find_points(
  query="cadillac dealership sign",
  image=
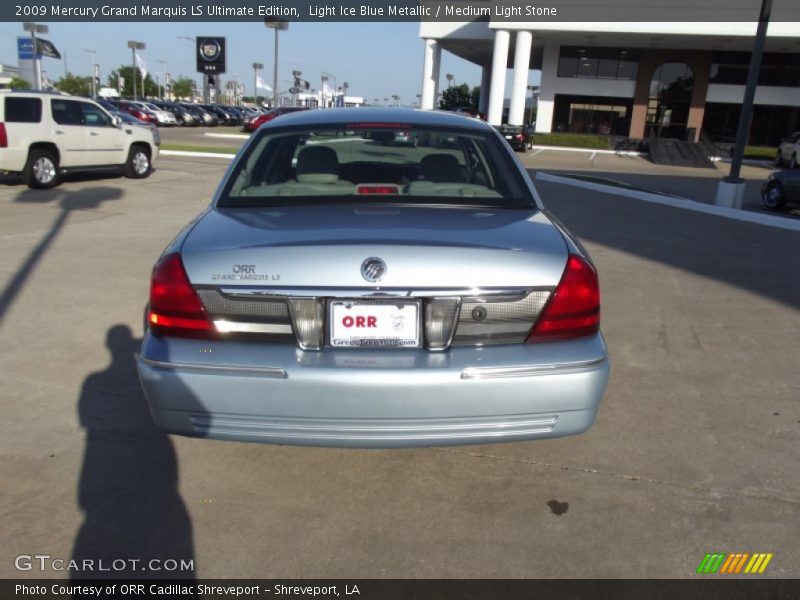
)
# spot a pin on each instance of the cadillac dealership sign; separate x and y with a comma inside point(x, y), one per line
point(210, 55)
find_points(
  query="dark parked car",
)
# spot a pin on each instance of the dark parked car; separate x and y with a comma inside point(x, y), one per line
point(223, 116)
point(517, 136)
point(782, 188)
point(182, 115)
point(203, 116)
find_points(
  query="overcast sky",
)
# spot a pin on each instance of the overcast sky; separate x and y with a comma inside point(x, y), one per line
point(376, 59)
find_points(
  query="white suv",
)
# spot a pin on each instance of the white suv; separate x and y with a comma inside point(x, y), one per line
point(43, 135)
point(789, 151)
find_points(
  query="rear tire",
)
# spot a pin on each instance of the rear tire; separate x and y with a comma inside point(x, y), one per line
point(793, 162)
point(778, 159)
point(41, 170)
point(774, 197)
point(138, 164)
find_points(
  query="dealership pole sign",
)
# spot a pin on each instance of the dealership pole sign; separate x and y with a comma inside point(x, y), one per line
point(211, 55)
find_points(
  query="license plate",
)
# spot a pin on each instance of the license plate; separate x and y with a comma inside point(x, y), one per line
point(374, 324)
point(509, 137)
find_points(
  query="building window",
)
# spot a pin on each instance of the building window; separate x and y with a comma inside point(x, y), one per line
point(770, 125)
point(592, 114)
point(598, 63)
point(777, 69)
point(587, 63)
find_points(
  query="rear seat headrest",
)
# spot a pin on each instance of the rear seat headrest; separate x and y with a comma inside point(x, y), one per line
point(441, 168)
point(317, 164)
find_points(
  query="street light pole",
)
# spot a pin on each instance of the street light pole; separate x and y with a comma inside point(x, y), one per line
point(134, 46)
point(94, 62)
point(730, 191)
point(275, 73)
point(277, 25)
point(35, 28)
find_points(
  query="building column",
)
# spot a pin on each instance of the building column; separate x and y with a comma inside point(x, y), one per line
point(483, 102)
point(437, 65)
point(519, 88)
point(497, 90)
point(547, 87)
point(430, 73)
point(701, 70)
point(648, 61)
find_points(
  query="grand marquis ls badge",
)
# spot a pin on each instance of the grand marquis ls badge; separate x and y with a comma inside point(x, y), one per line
point(373, 269)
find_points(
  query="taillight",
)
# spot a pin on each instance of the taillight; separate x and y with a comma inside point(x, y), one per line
point(3, 136)
point(175, 308)
point(520, 138)
point(574, 309)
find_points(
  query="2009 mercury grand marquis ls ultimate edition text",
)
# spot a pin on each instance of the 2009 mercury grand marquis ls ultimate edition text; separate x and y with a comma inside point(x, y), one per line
point(346, 290)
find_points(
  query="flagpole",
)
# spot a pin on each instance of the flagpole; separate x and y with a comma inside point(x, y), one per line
point(35, 28)
point(133, 70)
point(134, 46)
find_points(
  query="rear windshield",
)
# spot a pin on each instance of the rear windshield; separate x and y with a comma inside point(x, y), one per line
point(371, 163)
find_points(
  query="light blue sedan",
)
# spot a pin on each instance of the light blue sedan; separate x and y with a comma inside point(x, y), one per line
point(341, 292)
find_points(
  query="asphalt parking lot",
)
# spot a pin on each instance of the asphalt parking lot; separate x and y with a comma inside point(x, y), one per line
point(695, 449)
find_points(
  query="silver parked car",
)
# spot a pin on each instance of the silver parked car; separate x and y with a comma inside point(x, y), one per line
point(340, 292)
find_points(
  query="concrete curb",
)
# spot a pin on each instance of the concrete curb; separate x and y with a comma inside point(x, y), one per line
point(587, 150)
point(196, 154)
point(675, 202)
point(228, 136)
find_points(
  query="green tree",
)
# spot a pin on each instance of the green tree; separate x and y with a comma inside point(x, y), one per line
point(73, 84)
point(475, 98)
point(182, 87)
point(18, 83)
point(150, 86)
point(455, 96)
point(259, 100)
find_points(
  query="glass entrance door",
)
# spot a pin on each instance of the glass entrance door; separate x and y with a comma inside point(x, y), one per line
point(670, 98)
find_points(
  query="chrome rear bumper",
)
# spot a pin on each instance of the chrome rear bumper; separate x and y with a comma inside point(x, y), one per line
point(277, 393)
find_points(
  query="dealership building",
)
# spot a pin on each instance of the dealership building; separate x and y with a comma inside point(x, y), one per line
point(630, 79)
